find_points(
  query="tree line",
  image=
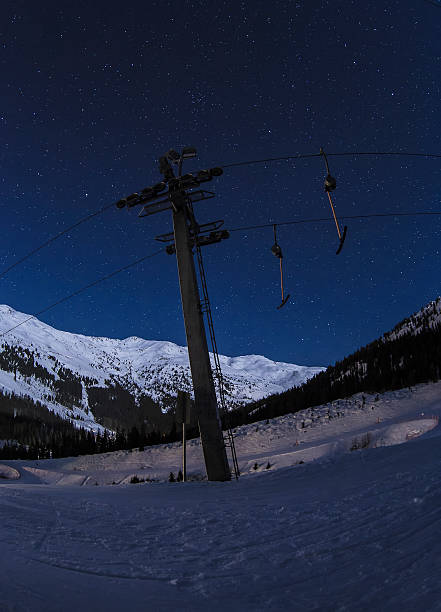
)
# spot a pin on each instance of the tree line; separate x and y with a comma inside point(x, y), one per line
point(382, 365)
point(28, 430)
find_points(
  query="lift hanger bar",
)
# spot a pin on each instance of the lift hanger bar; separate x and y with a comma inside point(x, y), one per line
point(330, 185)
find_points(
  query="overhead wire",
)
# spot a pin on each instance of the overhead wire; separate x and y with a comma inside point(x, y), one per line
point(233, 165)
point(270, 159)
point(54, 238)
point(320, 219)
point(310, 155)
point(75, 293)
point(235, 229)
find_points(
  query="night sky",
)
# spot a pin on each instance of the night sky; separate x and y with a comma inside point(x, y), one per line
point(94, 93)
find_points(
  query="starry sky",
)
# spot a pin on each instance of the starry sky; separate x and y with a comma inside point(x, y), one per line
point(94, 93)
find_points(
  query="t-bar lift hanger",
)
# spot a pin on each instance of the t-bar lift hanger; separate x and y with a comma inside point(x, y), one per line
point(277, 252)
point(330, 185)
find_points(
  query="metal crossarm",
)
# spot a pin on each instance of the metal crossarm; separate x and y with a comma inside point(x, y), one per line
point(204, 228)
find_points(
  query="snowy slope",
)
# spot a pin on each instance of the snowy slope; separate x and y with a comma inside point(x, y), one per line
point(316, 433)
point(428, 316)
point(155, 368)
point(356, 530)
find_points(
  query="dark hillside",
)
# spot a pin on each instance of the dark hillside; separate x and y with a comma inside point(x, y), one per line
point(408, 355)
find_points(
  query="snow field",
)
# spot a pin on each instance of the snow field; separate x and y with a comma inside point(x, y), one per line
point(358, 422)
point(344, 530)
point(361, 532)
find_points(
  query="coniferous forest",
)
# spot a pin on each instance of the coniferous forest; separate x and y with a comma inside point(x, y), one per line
point(383, 365)
point(31, 431)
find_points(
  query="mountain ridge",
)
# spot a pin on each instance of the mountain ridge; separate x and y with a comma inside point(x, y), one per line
point(49, 365)
point(409, 354)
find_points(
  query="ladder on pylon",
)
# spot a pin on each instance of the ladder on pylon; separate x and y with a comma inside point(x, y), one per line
point(205, 308)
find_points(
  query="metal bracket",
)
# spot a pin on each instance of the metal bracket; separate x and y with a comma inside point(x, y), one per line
point(167, 203)
point(204, 228)
point(201, 194)
point(211, 238)
point(152, 209)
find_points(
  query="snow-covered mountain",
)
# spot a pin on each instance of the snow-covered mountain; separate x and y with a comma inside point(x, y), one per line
point(68, 372)
point(426, 318)
point(407, 355)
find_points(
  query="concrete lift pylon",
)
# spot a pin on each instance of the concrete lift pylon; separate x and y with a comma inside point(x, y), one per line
point(180, 202)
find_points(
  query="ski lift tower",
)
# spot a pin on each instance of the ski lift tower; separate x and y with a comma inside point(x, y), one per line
point(186, 234)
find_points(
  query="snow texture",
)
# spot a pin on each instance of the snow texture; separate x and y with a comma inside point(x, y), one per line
point(343, 512)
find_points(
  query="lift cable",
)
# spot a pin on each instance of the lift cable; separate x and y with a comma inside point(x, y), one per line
point(235, 229)
point(54, 238)
point(75, 293)
point(320, 219)
point(233, 165)
point(310, 155)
